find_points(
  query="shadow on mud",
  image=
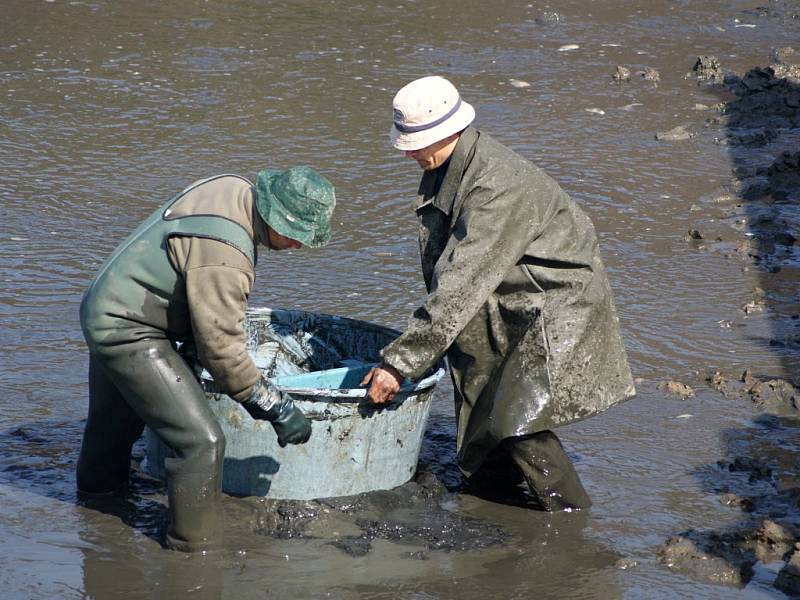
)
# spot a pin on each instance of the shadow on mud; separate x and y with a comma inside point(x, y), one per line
point(760, 473)
point(761, 118)
point(759, 479)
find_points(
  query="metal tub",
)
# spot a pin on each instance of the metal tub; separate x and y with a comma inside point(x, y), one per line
point(354, 446)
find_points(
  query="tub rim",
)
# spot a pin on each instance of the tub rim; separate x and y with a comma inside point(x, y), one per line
point(344, 395)
point(358, 393)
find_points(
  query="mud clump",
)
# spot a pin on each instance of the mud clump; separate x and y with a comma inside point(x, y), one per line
point(676, 134)
point(621, 74)
point(728, 558)
point(650, 74)
point(353, 546)
point(773, 541)
point(411, 514)
point(685, 556)
point(754, 468)
point(762, 480)
point(783, 176)
point(707, 68)
point(285, 519)
point(693, 235)
point(788, 579)
point(676, 388)
point(737, 501)
point(767, 98)
point(549, 18)
point(445, 531)
point(775, 396)
point(752, 138)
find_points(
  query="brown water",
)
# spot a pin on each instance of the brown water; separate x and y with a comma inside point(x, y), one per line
point(107, 108)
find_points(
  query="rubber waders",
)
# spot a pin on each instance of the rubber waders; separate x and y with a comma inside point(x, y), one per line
point(148, 383)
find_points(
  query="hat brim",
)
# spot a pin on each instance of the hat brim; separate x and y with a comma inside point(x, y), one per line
point(420, 139)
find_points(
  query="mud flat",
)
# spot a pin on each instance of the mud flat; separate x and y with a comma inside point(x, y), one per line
point(755, 219)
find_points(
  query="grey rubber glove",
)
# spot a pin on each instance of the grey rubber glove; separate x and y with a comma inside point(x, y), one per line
point(268, 404)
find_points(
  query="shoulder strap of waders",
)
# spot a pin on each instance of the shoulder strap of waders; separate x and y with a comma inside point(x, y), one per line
point(213, 227)
point(220, 229)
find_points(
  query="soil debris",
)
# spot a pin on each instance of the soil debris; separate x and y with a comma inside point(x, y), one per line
point(649, 74)
point(444, 531)
point(772, 541)
point(549, 18)
point(788, 580)
point(621, 74)
point(353, 546)
point(677, 388)
point(737, 501)
point(774, 396)
point(707, 68)
point(675, 134)
point(685, 556)
point(410, 514)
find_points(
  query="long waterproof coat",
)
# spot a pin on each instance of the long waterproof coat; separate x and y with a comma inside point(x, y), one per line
point(518, 300)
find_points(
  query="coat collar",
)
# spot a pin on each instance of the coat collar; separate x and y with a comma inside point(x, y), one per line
point(444, 198)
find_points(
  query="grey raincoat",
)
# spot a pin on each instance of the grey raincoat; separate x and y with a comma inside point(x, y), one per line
point(518, 300)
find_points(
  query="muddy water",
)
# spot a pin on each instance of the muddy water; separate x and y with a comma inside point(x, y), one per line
point(106, 108)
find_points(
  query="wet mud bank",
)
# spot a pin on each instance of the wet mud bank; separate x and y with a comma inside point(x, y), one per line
point(753, 219)
point(414, 515)
point(420, 515)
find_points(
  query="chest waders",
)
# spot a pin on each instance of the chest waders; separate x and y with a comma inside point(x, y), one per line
point(138, 293)
point(136, 378)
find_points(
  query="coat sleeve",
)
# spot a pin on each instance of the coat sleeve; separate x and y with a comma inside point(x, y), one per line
point(219, 280)
point(490, 236)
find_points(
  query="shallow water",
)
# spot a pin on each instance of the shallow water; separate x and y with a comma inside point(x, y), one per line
point(107, 108)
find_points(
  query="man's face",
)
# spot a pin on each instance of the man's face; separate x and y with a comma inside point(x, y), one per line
point(281, 242)
point(435, 155)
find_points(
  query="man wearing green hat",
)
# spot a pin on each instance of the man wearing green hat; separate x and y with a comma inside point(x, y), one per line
point(182, 278)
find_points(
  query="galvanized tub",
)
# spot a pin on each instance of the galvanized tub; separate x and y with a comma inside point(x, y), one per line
point(354, 446)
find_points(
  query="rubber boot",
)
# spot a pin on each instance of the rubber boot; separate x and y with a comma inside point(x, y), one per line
point(497, 476)
point(548, 471)
point(160, 388)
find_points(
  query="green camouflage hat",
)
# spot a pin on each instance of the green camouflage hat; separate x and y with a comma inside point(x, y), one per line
point(297, 203)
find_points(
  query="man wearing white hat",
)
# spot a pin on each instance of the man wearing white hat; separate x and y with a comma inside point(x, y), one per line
point(518, 301)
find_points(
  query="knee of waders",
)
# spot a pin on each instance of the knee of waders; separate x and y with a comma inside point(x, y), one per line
point(216, 445)
point(210, 445)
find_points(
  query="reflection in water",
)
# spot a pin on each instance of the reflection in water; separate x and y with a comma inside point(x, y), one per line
point(112, 572)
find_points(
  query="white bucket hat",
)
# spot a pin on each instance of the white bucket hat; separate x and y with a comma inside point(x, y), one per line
point(427, 110)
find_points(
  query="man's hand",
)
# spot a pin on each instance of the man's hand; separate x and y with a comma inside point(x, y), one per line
point(384, 382)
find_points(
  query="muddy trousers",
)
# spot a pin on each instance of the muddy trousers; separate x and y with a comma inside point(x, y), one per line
point(548, 471)
point(148, 383)
point(539, 460)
